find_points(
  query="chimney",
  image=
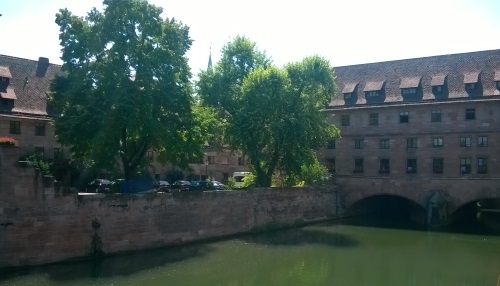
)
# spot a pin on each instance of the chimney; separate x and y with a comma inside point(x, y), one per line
point(43, 65)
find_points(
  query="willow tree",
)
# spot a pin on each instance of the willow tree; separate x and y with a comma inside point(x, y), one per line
point(273, 114)
point(125, 87)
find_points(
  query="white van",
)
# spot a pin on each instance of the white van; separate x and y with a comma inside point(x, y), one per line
point(238, 178)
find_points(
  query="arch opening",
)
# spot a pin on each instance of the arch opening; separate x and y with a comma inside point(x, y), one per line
point(480, 216)
point(388, 211)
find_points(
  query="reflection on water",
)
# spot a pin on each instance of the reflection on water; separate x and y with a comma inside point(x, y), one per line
point(323, 254)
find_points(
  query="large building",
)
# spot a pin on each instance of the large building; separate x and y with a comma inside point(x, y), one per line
point(425, 123)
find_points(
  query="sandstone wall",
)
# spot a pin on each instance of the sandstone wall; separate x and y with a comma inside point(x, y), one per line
point(50, 229)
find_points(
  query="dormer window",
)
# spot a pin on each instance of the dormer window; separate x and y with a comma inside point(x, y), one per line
point(498, 85)
point(3, 79)
point(470, 86)
point(349, 90)
point(438, 84)
point(409, 85)
point(374, 89)
point(409, 91)
point(471, 81)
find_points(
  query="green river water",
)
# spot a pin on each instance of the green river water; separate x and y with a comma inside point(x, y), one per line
point(323, 254)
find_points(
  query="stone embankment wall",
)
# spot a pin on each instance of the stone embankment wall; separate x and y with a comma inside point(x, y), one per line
point(56, 228)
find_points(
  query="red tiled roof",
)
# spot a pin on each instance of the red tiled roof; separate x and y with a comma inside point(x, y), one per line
point(452, 71)
point(410, 82)
point(30, 84)
point(438, 80)
point(8, 94)
point(373, 85)
point(4, 72)
point(349, 87)
point(471, 77)
point(497, 76)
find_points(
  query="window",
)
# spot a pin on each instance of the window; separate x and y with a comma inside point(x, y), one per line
point(465, 165)
point(40, 151)
point(58, 154)
point(464, 141)
point(482, 165)
point(404, 117)
point(373, 119)
point(211, 160)
point(149, 155)
point(358, 165)
point(348, 95)
point(15, 127)
point(409, 91)
point(470, 86)
point(330, 165)
point(372, 94)
point(436, 116)
point(330, 144)
point(498, 84)
point(470, 114)
point(384, 166)
point(438, 89)
point(385, 144)
point(482, 141)
point(411, 166)
point(346, 120)
point(437, 165)
point(437, 142)
point(40, 129)
point(411, 143)
point(241, 161)
point(359, 144)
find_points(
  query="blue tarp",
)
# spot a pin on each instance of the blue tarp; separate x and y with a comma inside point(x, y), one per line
point(136, 186)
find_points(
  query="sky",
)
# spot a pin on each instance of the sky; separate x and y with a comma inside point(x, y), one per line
point(344, 32)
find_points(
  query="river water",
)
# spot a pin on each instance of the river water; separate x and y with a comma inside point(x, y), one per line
point(322, 254)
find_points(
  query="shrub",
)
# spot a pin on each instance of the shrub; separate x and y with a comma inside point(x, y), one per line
point(8, 141)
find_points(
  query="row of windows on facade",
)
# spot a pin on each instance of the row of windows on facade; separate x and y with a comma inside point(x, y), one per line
point(209, 160)
point(437, 142)
point(437, 90)
point(404, 117)
point(411, 165)
point(58, 152)
point(15, 128)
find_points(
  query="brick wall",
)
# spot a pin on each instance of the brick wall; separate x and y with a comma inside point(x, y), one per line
point(53, 229)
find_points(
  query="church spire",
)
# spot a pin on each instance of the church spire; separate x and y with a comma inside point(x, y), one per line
point(210, 58)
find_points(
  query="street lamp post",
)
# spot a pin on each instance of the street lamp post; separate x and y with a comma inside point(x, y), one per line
point(206, 169)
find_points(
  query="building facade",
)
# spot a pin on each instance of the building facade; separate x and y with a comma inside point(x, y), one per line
point(428, 123)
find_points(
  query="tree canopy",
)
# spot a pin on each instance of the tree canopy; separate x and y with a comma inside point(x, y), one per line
point(272, 114)
point(125, 87)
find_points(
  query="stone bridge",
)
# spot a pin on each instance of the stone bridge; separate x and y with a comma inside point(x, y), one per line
point(454, 193)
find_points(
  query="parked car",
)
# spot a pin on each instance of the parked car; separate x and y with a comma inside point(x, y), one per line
point(99, 186)
point(219, 186)
point(181, 185)
point(203, 186)
point(162, 186)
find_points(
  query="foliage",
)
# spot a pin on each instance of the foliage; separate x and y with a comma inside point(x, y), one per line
point(39, 163)
point(174, 175)
point(271, 114)
point(125, 87)
point(8, 141)
point(315, 174)
point(231, 183)
point(249, 180)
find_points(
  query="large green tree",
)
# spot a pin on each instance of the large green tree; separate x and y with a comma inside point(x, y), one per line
point(273, 114)
point(125, 87)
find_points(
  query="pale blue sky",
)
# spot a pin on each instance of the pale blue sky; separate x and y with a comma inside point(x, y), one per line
point(345, 32)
